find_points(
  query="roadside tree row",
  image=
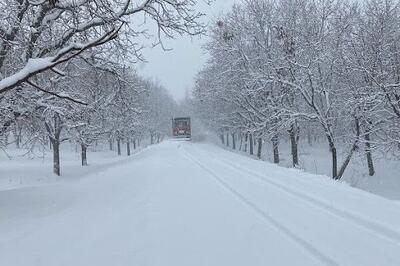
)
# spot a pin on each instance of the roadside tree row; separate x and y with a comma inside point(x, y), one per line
point(67, 70)
point(299, 68)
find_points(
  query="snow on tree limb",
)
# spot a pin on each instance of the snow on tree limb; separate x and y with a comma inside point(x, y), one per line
point(39, 65)
point(55, 24)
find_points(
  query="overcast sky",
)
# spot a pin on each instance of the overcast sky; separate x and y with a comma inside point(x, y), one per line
point(176, 69)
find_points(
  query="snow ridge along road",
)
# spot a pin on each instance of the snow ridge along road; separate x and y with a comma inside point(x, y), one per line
point(195, 204)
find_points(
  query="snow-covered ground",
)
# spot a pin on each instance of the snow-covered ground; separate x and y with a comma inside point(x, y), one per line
point(386, 181)
point(316, 159)
point(186, 203)
point(22, 168)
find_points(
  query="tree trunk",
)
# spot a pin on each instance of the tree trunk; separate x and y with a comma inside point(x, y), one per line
point(293, 145)
point(151, 139)
point(275, 147)
point(18, 135)
point(5, 140)
point(370, 162)
point(259, 149)
point(222, 139)
point(110, 143)
point(54, 131)
point(227, 139)
point(119, 146)
point(83, 154)
point(347, 161)
point(241, 142)
point(245, 141)
point(334, 160)
point(134, 144)
point(352, 150)
point(56, 156)
point(309, 138)
point(18, 141)
point(251, 144)
point(233, 141)
point(128, 148)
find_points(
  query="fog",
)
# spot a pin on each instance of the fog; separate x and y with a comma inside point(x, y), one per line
point(176, 68)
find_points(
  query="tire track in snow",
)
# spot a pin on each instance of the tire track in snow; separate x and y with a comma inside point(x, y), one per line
point(377, 229)
point(313, 251)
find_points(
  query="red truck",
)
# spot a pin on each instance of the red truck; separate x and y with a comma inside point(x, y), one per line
point(181, 127)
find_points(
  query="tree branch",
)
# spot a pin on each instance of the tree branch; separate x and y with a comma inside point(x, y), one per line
point(55, 94)
point(40, 65)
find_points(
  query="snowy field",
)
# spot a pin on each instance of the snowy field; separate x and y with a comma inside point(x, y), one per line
point(187, 203)
point(21, 168)
point(316, 159)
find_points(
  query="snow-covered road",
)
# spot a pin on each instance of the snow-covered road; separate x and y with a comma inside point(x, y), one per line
point(184, 203)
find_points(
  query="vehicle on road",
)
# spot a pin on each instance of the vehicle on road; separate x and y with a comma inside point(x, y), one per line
point(181, 127)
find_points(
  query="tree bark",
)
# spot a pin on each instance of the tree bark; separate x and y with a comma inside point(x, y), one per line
point(346, 161)
point(128, 148)
point(251, 144)
point(227, 139)
point(309, 138)
point(17, 132)
point(83, 154)
point(275, 147)
point(233, 141)
point(370, 162)
point(110, 143)
point(351, 152)
point(119, 146)
point(259, 149)
point(334, 159)
point(241, 142)
point(134, 144)
point(294, 145)
point(17, 142)
point(245, 141)
point(54, 131)
point(222, 139)
point(56, 157)
point(6, 140)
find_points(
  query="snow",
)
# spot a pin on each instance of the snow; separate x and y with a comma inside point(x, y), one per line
point(32, 66)
point(24, 169)
point(316, 159)
point(188, 203)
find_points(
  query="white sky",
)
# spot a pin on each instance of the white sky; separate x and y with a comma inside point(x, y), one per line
point(176, 69)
